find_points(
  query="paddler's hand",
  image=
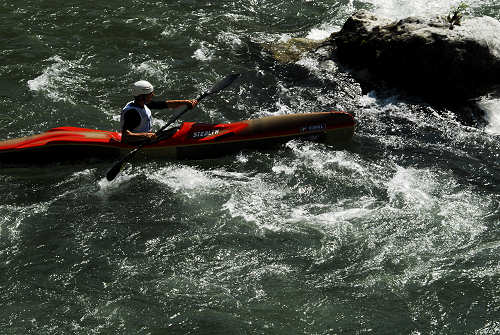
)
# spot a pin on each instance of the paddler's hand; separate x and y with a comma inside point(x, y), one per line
point(191, 103)
point(150, 136)
point(134, 138)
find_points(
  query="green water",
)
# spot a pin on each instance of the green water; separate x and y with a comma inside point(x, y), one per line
point(397, 233)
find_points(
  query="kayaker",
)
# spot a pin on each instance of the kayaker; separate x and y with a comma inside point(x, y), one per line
point(135, 119)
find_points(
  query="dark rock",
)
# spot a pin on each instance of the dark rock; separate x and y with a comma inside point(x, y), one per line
point(424, 56)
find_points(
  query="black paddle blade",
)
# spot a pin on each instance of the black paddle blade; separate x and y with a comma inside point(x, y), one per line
point(115, 169)
point(224, 83)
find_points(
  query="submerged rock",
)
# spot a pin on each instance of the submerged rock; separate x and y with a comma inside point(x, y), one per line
point(293, 49)
point(424, 55)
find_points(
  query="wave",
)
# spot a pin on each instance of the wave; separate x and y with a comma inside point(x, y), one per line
point(63, 80)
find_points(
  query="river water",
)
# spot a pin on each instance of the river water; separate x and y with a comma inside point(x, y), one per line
point(396, 233)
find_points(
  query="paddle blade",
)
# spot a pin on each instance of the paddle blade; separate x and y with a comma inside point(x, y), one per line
point(115, 169)
point(224, 83)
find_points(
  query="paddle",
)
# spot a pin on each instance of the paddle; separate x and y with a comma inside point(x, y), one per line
point(115, 169)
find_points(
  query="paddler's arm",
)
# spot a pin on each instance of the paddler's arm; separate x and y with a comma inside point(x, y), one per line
point(134, 138)
point(172, 104)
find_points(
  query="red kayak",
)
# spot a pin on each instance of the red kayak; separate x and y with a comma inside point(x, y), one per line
point(190, 141)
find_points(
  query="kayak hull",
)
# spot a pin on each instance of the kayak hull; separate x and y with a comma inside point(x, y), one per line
point(190, 141)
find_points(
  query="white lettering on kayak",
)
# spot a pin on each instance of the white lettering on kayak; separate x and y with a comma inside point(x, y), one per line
point(314, 127)
point(205, 133)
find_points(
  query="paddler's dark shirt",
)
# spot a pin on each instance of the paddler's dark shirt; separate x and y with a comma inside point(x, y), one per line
point(132, 119)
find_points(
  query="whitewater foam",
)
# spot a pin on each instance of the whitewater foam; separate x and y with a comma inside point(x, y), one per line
point(411, 187)
point(189, 181)
point(398, 9)
point(153, 70)
point(323, 161)
point(343, 212)
point(419, 191)
point(105, 187)
point(230, 38)
point(204, 53)
point(322, 32)
point(258, 201)
point(492, 108)
point(60, 80)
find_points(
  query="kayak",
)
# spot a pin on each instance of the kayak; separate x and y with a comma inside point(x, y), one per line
point(190, 140)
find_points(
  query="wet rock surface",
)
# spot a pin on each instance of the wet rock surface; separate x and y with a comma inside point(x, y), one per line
point(427, 57)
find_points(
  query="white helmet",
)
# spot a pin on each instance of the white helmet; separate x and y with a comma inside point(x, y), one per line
point(141, 87)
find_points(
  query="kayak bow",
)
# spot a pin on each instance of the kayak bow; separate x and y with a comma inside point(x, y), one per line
point(190, 141)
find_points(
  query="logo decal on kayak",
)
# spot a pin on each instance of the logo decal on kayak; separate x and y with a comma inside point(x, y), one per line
point(314, 127)
point(205, 133)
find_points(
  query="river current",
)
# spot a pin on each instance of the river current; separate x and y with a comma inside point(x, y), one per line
point(396, 233)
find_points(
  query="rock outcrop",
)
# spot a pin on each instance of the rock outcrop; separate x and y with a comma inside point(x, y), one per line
point(427, 57)
point(292, 50)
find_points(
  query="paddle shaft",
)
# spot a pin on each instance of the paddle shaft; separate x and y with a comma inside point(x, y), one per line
point(174, 118)
point(115, 169)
